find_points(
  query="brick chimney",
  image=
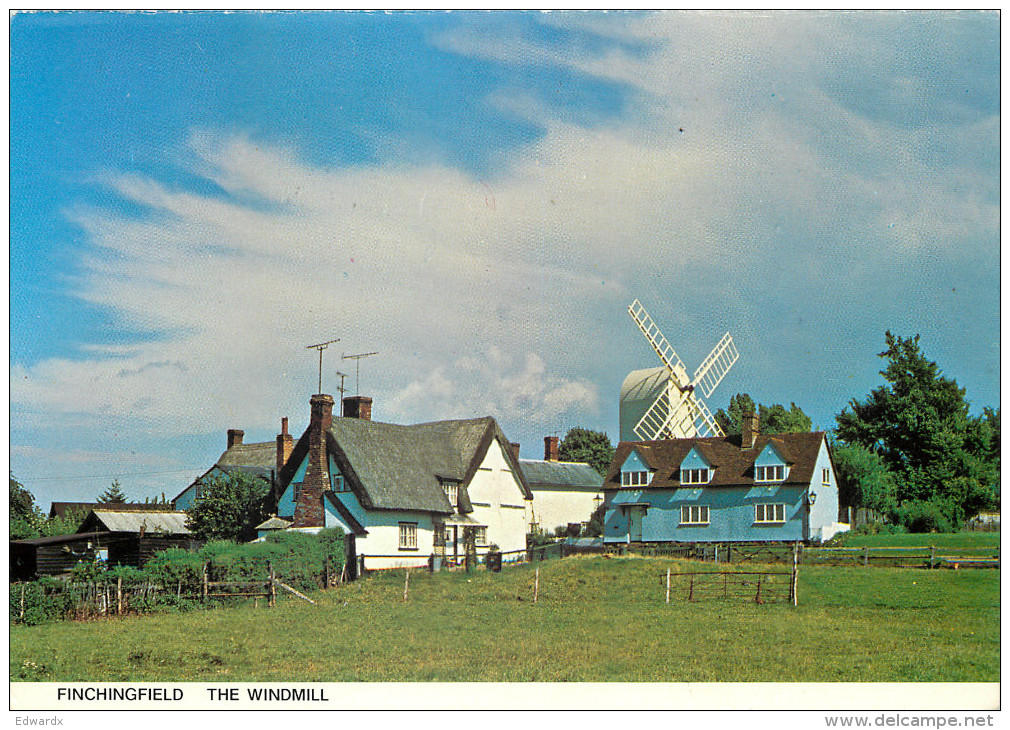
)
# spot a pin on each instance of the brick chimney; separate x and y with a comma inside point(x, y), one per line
point(749, 430)
point(551, 448)
point(235, 437)
point(284, 445)
point(515, 450)
point(309, 510)
point(358, 406)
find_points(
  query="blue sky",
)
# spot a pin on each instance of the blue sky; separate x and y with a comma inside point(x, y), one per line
point(195, 197)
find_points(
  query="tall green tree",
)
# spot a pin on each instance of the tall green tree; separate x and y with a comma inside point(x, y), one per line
point(25, 516)
point(771, 419)
point(920, 426)
point(229, 508)
point(863, 478)
point(114, 494)
point(591, 447)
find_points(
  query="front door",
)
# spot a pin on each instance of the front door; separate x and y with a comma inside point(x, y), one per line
point(635, 515)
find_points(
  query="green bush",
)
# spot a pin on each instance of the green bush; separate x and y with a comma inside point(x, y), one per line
point(44, 600)
point(925, 516)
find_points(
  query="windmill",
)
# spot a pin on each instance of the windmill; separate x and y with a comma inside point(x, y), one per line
point(659, 403)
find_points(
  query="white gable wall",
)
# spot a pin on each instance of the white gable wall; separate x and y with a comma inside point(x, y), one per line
point(498, 501)
point(554, 506)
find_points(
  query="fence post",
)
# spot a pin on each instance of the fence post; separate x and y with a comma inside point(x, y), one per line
point(406, 584)
point(794, 579)
point(272, 598)
point(22, 601)
point(668, 585)
point(204, 596)
point(690, 591)
point(757, 596)
point(119, 596)
point(536, 585)
point(932, 555)
point(326, 573)
point(866, 555)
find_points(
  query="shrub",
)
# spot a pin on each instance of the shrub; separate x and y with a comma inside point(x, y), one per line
point(924, 516)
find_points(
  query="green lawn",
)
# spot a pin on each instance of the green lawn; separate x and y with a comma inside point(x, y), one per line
point(970, 542)
point(597, 619)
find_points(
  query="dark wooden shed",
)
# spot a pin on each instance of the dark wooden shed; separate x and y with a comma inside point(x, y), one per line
point(55, 555)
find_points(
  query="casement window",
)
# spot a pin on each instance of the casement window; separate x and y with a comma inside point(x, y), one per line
point(480, 535)
point(826, 477)
point(694, 514)
point(408, 536)
point(695, 476)
point(296, 491)
point(337, 482)
point(452, 492)
point(635, 478)
point(769, 513)
point(769, 473)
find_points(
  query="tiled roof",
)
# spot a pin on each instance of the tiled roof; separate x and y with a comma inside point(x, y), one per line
point(399, 467)
point(734, 466)
point(541, 474)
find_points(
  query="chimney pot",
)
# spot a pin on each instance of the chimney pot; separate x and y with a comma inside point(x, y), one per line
point(551, 448)
point(357, 406)
point(515, 450)
point(235, 437)
point(749, 430)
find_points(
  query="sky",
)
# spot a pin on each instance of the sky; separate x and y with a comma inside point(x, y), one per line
point(477, 197)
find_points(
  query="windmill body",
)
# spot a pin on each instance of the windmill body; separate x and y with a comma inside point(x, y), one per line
point(665, 402)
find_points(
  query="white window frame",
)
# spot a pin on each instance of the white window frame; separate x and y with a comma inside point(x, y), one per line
point(778, 473)
point(452, 493)
point(636, 478)
point(777, 512)
point(702, 475)
point(408, 536)
point(480, 536)
point(826, 477)
point(695, 514)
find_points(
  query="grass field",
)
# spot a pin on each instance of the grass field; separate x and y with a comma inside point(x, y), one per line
point(597, 619)
point(969, 542)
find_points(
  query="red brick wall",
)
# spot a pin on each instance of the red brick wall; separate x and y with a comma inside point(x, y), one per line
point(309, 509)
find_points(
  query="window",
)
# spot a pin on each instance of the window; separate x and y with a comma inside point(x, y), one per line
point(480, 536)
point(769, 473)
point(694, 476)
point(408, 536)
point(694, 514)
point(448, 536)
point(297, 491)
point(635, 478)
point(452, 492)
point(769, 513)
point(826, 477)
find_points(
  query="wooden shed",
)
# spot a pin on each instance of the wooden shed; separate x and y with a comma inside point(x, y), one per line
point(55, 555)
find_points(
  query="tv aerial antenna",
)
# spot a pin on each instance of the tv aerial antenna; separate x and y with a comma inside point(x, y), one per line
point(321, 346)
point(357, 368)
point(341, 389)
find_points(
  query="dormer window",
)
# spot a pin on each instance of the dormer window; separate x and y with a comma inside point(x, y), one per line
point(452, 493)
point(695, 476)
point(774, 473)
point(635, 478)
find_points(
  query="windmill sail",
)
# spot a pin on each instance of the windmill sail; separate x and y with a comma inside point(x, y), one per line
point(659, 343)
point(714, 367)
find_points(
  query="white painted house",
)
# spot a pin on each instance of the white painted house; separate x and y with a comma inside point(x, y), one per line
point(564, 492)
point(406, 493)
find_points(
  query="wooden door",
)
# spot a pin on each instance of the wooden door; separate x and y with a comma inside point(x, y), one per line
point(635, 515)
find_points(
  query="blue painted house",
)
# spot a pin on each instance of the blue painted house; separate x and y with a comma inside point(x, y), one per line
point(749, 488)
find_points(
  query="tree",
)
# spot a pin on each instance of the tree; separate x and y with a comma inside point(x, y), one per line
point(919, 424)
point(229, 508)
point(863, 478)
point(25, 516)
point(113, 494)
point(771, 419)
point(591, 447)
